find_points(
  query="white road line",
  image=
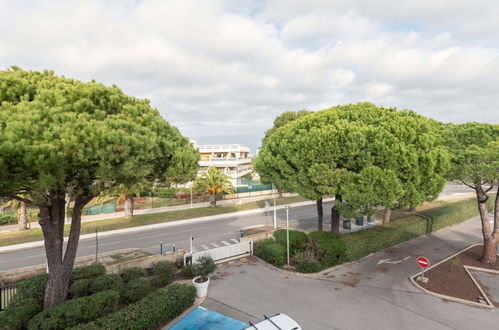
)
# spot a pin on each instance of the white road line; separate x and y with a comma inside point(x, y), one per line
point(234, 240)
point(204, 246)
point(225, 243)
point(215, 244)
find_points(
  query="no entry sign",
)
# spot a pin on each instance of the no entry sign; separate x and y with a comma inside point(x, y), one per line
point(423, 262)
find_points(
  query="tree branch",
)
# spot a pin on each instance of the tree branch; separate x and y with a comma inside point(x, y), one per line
point(21, 199)
point(463, 182)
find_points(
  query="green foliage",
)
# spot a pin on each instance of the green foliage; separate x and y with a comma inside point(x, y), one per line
point(136, 289)
point(76, 311)
point(32, 287)
point(187, 271)
point(165, 192)
point(368, 155)
point(454, 262)
point(7, 217)
point(283, 119)
point(80, 288)
point(149, 312)
point(308, 266)
point(204, 266)
point(18, 313)
point(260, 245)
point(329, 250)
point(107, 282)
point(89, 272)
point(248, 177)
point(132, 273)
point(214, 181)
point(297, 240)
point(273, 253)
point(165, 271)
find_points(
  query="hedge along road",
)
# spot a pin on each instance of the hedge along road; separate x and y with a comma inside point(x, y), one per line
point(204, 233)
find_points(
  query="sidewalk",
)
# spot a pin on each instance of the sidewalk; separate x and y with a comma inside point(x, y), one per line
point(105, 216)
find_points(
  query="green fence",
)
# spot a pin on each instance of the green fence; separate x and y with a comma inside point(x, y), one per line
point(98, 209)
point(253, 188)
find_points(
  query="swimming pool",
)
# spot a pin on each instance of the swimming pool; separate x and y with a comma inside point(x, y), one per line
point(204, 319)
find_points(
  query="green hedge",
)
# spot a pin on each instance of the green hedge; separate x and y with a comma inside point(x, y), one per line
point(308, 266)
point(32, 287)
point(76, 311)
point(273, 253)
point(8, 217)
point(107, 282)
point(132, 273)
point(135, 290)
point(329, 250)
point(80, 288)
point(18, 313)
point(148, 313)
point(364, 242)
point(89, 272)
point(165, 271)
point(297, 240)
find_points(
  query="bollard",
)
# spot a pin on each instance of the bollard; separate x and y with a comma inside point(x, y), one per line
point(174, 249)
point(161, 247)
point(241, 232)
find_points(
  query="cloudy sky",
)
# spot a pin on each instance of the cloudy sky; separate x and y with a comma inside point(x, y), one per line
point(221, 71)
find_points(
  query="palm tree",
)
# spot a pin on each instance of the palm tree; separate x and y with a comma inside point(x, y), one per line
point(22, 216)
point(214, 182)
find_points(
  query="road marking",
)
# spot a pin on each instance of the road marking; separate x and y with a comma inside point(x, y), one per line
point(389, 261)
point(234, 240)
point(215, 244)
point(225, 243)
point(204, 246)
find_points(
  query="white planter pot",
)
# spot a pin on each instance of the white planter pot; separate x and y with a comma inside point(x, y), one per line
point(201, 288)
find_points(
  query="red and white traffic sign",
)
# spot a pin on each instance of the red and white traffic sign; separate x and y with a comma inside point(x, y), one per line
point(423, 262)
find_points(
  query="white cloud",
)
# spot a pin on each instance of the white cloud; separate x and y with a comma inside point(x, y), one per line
point(222, 70)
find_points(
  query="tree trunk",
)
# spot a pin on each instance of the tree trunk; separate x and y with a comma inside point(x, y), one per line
point(213, 200)
point(489, 238)
point(319, 214)
point(128, 206)
point(59, 264)
point(387, 215)
point(22, 218)
point(335, 218)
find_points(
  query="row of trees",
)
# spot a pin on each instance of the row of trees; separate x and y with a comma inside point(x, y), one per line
point(369, 157)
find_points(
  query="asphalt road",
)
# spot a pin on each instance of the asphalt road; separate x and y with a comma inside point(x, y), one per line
point(205, 233)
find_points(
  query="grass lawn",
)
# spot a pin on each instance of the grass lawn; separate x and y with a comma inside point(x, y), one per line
point(142, 220)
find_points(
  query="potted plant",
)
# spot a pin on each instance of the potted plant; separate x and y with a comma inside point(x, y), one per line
point(201, 270)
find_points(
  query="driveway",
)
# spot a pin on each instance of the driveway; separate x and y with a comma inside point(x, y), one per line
point(360, 295)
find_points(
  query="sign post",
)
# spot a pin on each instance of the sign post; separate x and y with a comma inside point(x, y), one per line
point(423, 263)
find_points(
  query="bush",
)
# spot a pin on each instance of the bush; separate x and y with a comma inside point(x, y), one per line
point(187, 271)
point(132, 273)
point(80, 288)
point(273, 253)
point(17, 314)
point(329, 250)
point(32, 287)
point(165, 192)
point(8, 217)
point(149, 312)
point(165, 270)
point(203, 267)
point(136, 289)
point(76, 311)
point(107, 282)
point(308, 266)
point(260, 245)
point(297, 240)
point(89, 272)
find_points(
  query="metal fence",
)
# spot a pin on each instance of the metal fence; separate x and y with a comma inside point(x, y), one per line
point(227, 252)
point(6, 294)
point(98, 209)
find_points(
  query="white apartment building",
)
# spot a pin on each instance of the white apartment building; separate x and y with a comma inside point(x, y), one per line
point(233, 159)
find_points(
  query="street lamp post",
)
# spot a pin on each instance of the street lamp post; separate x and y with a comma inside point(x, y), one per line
point(275, 212)
point(287, 232)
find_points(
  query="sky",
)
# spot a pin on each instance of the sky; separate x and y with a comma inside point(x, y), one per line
point(221, 71)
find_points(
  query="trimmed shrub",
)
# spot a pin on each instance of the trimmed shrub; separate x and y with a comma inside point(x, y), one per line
point(297, 240)
point(273, 253)
point(132, 273)
point(32, 287)
point(260, 245)
point(8, 217)
point(80, 288)
point(187, 271)
point(89, 272)
point(136, 289)
point(148, 313)
point(107, 282)
point(165, 271)
point(76, 311)
point(308, 266)
point(329, 250)
point(18, 313)
point(204, 267)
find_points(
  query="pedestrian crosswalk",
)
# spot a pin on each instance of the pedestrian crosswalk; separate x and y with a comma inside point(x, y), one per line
point(212, 245)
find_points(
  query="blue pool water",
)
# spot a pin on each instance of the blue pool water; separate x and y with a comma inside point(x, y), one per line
point(203, 319)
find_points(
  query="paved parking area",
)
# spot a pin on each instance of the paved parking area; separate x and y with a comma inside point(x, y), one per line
point(362, 295)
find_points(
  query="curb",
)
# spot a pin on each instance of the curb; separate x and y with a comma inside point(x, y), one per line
point(450, 298)
point(10, 248)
